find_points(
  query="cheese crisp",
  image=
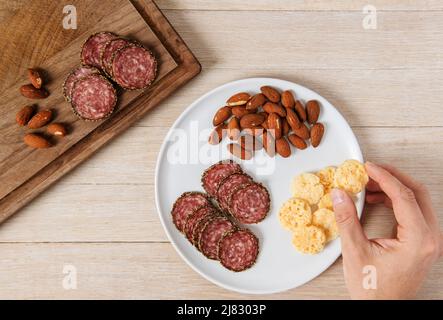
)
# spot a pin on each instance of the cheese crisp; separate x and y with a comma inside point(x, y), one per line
point(351, 176)
point(325, 219)
point(326, 176)
point(295, 213)
point(307, 186)
point(326, 202)
point(309, 239)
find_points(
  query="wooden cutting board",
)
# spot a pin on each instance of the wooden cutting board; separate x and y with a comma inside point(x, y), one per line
point(33, 36)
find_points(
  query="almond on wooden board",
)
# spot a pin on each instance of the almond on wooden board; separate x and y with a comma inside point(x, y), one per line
point(240, 111)
point(35, 78)
point(302, 131)
point(251, 120)
point(317, 131)
point(40, 119)
point(268, 144)
point(36, 141)
point(239, 152)
point(31, 92)
point(287, 99)
point(293, 119)
point(233, 129)
point(250, 143)
point(275, 127)
point(57, 129)
point(217, 134)
point(283, 147)
point(221, 115)
point(297, 142)
point(256, 101)
point(270, 107)
point(24, 115)
point(238, 99)
point(300, 110)
point(313, 111)
point(270, 93)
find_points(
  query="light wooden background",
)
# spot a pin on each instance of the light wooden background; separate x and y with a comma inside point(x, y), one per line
point(102, 219)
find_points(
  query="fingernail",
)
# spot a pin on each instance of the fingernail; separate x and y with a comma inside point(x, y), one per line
point(370, 164)
point(337, 196)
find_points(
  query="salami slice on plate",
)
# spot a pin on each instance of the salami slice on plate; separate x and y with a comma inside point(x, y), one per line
point(211, 235)
point(133, 67)
point(93, 97)
point(73, 76)
point(195, 217)
point(250, 203)
point(238, 250)
point(185, 205)
point(108, 51)
point(93, 46)
point(215, 174)
point(229, 184)
point(196, 233)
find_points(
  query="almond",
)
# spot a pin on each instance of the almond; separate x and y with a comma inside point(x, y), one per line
point(23, 116)
point(317, 132)
point(270, 93)
point(256, 101)
point(255, 131)
point(270, 107)
point(31, 92)
point(35, 78)
point(239, 152)
point(297, 142)
point(251, 120)
point(233, 129)
point(287, 99)
point(283, 147)
point(36, 141)
point(40, 119)
point(217, 134)
point(302, 131)
point(293, 119)
point(250, 143)
point(313, 111)
point(300, 110)
point(238, 99)
point(221, 115)
point(268, 144)
point(57, 129)
point(285, 127)
point(240, 111)
point(275, 125)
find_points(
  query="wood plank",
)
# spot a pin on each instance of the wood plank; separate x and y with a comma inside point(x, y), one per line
point(300, 5)
point(313, 40)
point(142, 271)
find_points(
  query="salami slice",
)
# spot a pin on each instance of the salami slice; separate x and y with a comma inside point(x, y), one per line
point(196, 233)
point(185, 205)
point(238, 250)
point(211, 235)
point(73, 76)
point(250, 204)
point(229, 184)
point(215, 174)
point(93, 97)
point(108, 51)
point(194, 218)
point(133, 67)
point(90, 54)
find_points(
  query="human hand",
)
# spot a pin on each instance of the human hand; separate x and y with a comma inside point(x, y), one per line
point(402, 263)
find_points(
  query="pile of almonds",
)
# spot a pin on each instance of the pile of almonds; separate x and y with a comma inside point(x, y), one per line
point(274, 117)
point(33, 119)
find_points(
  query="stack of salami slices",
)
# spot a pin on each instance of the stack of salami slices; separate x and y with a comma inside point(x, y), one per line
point(236, 193)
point(106, 59)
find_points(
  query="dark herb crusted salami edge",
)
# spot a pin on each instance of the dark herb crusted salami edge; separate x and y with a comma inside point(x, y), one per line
point(213, 212)
point(223, 181)
point(205, 173)
point(184, 194)
point(241, 187)
point(204, 228)
point(72, 72)
point(137, 44)
point(195, 236)
point(102, 51)
point(113, 107)
point(231, 232)
point(92, 35)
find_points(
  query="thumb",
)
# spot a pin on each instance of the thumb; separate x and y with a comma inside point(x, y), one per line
point(351, 231)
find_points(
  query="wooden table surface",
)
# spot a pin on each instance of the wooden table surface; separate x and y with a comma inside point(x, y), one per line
point(102, 219)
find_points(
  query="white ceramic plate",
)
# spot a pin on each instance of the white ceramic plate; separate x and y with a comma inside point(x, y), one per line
point(185, 154)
